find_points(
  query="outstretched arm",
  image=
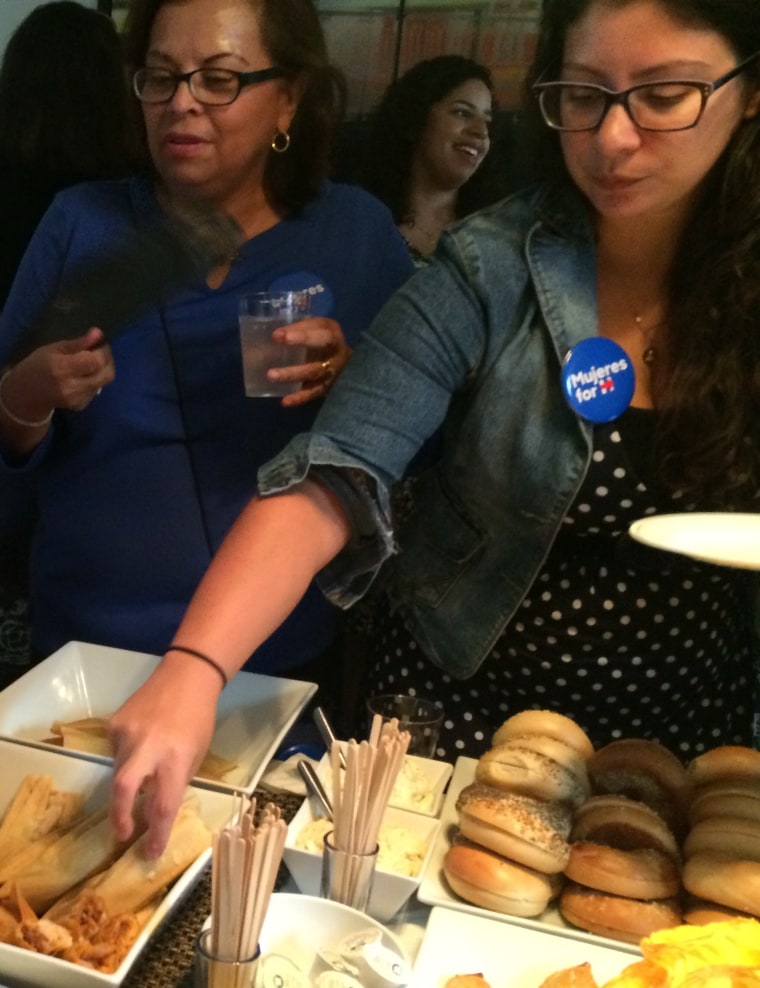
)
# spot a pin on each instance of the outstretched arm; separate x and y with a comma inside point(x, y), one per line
point(261, 571)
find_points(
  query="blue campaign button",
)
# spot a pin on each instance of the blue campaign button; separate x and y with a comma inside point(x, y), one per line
point(598, 379)
point(322, 299)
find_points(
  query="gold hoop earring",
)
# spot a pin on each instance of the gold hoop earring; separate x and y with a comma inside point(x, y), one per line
point(281, 141)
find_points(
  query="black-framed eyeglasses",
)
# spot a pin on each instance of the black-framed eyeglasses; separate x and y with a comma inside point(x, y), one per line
point(672, 104)
point(210, 86)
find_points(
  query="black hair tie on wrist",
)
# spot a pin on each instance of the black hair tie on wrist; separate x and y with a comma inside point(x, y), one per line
point(204, 658)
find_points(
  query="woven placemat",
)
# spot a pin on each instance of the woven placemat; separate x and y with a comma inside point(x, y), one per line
point(167, 960)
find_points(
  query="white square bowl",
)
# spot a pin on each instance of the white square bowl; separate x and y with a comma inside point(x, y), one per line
point(83, 680)
point(389, 890)
point(419, 788)
point(421, 785)
point(80, 775)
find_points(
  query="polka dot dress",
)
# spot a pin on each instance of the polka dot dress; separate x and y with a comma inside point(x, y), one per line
point(628, 641)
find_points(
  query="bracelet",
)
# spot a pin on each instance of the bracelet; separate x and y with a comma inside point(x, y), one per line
point(204, 658)
point(15, 418)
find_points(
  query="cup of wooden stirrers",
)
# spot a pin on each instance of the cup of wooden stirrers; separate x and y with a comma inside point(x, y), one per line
point(360, 795)
point(244, 863)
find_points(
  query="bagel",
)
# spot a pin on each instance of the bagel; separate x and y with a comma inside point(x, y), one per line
point(624, 823)
point(547, 722)
point(559, 751)
point(489, 880)
point(646, 771)
point(616, 917)
point(724, 880)
point(640, 874)
point(730, 797)
point(734, 836)
point(700, 912)
point(728, 761)
point(529, 831)
point(518, 769)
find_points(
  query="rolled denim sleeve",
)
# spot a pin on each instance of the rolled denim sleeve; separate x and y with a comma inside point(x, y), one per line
point(392, 397)
point(364, 497)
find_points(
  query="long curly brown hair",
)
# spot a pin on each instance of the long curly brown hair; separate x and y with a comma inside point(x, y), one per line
point(706, 380)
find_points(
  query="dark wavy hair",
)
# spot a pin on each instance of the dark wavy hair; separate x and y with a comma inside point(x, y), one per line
point(706, 378)
point(397, 125)
point(292, 35)
point(64, 110)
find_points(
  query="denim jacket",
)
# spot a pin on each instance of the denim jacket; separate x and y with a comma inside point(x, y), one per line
point(473, 344)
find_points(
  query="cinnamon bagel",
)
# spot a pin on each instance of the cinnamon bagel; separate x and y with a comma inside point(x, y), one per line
point(624, 823)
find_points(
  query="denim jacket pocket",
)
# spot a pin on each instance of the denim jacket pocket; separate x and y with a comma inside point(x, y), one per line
point(436, 547)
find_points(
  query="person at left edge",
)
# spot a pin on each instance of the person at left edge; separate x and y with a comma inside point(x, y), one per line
point(144, 451)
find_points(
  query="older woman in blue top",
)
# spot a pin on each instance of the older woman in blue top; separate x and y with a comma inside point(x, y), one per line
point(512, 577)
point(144, 448)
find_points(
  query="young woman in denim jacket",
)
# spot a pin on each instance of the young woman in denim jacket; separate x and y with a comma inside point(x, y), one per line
point(514, 578)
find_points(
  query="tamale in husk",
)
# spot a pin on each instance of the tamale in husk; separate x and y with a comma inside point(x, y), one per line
point(88, 847)
point(37, 809)
point(133, 880)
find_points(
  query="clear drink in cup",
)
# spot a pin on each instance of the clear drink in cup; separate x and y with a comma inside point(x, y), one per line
point(259, 315)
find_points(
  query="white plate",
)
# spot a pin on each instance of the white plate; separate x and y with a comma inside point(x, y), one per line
point(507, 957)
point(434, 889)
point(83, 680)
point(730, 539)
point(34, 970)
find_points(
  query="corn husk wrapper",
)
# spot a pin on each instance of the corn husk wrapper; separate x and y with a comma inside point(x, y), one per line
point(36, 811)
point(90, 734)
point(132, 881)
point(88, 847)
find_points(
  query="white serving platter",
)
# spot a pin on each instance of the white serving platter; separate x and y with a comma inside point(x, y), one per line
point(434, 889)
point(506, 956)
point(33, 970)
point(83, 680)
point(726, 538)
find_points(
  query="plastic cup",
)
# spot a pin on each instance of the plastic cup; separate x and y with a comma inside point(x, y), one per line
point(258, 317)
point(422, 718)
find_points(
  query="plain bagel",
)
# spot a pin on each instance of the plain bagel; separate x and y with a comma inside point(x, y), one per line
point(617, 917)
point(725, 880)
point(493, 882)
point(728, 761)
point(700, 912)
point(547, 722)
point(518, 769)
point(735, 836)
point(529, 831)
point(730, 797)
point(640, 874)
point(559, 751)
